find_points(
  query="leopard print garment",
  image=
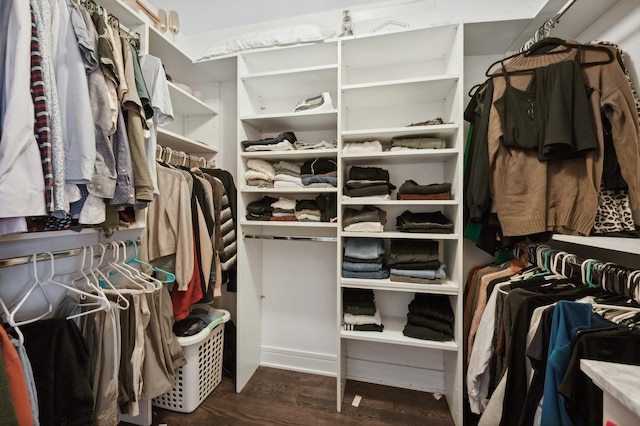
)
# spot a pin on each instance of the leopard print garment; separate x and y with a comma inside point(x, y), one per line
point(614, 212)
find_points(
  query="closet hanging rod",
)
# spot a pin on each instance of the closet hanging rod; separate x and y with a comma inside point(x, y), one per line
point(291, 238)
point(23, 260)
point(545, 29)
point(92, 5)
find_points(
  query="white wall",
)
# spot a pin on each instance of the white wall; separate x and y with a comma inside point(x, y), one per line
point(416, 13)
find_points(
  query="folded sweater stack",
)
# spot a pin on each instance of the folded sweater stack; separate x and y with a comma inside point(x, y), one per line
point(410, 190)
point(283, 142)
point(367, 219)
point(430, 317)
point(415, 261)
point(428, 222)
point(284, 210)
point(260, 173)
point(401, 143)
point(287, 175)
point(308, 211)
point(321, 209)
point(319, 172)
point(359, 310)
point(368, 182)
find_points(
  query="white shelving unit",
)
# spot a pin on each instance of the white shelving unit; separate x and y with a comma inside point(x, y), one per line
point(270, 84)
point(389, 82)
point(624, 245)
point(380, 85)
point(196, 128)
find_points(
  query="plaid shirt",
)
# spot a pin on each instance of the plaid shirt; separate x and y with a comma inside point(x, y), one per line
point(42, 129)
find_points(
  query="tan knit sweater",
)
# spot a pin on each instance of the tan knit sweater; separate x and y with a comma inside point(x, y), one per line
point(530, 196)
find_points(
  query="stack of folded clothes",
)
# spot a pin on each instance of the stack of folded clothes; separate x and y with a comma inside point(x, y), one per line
point(328, 205)
point(371, 182)
point(415, 261)
point(261, 209)
point(282, 142)
point(401, 143)
point(367, 219)
point(260, 173)
point(428, 222)
point(362, 147)
point(364, 258)
point(430, 317)
point(359, 310)
point(300, 145)
point(287, 175)
point(308, 211)
point(284, 210)
point(410, 190)
point(319, 172)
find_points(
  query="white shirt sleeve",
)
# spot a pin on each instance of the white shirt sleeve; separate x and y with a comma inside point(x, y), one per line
point(478, 374)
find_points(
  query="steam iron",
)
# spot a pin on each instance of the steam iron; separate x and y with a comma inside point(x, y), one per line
point(319, 101)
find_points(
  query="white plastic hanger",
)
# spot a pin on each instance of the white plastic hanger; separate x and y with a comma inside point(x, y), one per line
point(169, 277)
point(7, 317)
point(97, 301)
point(114, 265)
point(150, 282)
point(103, 281)
point(36, 284)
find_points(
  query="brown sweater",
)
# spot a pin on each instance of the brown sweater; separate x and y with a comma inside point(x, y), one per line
point(531, 196)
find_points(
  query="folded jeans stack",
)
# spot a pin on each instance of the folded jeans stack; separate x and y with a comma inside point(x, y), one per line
point(415, 261)
point(364, 258)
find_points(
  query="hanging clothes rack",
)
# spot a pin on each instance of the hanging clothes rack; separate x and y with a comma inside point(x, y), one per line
point(611, 277)
point(545, 29)
point(23, 260)
point(290, 238)
point(92, 6)
point(181, 158)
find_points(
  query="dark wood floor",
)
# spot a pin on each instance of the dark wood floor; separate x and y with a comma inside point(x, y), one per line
point(281, 397)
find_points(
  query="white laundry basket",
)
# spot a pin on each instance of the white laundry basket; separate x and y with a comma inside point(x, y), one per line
point(203, 371)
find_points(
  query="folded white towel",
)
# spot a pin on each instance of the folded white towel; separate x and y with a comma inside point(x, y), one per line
point(363, 319)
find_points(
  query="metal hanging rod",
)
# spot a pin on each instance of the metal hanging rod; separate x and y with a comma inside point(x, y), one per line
point(545, 29)
point(291, 238)
point(23, 260)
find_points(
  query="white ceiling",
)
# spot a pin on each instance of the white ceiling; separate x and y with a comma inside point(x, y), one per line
point(198, 16)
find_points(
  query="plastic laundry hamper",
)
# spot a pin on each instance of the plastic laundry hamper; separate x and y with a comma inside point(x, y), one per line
point(203, 371)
